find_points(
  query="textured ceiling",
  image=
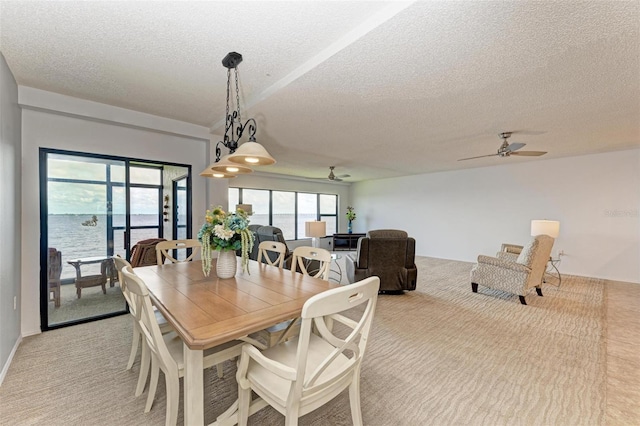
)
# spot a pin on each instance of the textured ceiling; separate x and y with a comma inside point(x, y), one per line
point(379, 89)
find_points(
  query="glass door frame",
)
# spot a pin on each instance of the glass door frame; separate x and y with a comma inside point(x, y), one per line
point(44, 213)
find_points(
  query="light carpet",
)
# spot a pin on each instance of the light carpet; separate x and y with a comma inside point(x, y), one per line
point(440, 355)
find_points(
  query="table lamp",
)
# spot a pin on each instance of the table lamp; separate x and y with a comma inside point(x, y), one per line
point(315, 230)
point(248, 208)
point(545, 227)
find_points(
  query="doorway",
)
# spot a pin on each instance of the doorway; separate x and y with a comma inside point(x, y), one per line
point(92, 208)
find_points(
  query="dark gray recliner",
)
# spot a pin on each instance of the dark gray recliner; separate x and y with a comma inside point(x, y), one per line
point(388, 254)
point(268, 233)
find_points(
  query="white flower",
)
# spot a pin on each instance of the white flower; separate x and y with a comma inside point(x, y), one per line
point(222, 233)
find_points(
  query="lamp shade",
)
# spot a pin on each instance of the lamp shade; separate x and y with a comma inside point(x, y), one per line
point(315, 229)
point(210, 173)
point(248, 208)
point(252, 153)
point(545, 227)
point(226, 166)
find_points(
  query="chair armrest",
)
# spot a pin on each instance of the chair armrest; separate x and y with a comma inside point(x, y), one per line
point(509, 257)
point(494, 261)
point(279, 369)
point(511, 248)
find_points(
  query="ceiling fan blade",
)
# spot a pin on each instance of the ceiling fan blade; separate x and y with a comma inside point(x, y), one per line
point(336, 179)
point(529, 153)
point(515, 146)
point(343, 176)
point(480, 156)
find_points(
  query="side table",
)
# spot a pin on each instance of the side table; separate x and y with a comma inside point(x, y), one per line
point(552, 273)
point(107, 270)
point(346, 241)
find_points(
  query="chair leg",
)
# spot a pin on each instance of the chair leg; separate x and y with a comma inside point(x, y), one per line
point(134, 346)
point(219, 370)
point(244, 401)
point(354, 400)
point(539, 291)
point(524, 302)
point(291, 418)
point(474, 287)
point(144, 369)
point(173, 399)
point(153, 384)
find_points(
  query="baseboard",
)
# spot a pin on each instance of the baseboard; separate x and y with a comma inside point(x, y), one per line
point(5, 369)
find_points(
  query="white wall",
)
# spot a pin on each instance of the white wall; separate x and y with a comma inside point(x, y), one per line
point(460, 214)
point(77, 132)
point(10, 189)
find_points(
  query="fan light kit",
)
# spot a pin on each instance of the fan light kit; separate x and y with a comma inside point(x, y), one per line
point(250, 152)
point(507, 149)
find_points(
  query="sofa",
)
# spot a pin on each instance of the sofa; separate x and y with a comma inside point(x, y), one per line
point(388, 254)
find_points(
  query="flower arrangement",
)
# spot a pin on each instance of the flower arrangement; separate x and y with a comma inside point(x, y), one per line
point(351, 214)
point(223, 231)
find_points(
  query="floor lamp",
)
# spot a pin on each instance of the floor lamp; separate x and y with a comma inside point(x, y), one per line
point(315, 229)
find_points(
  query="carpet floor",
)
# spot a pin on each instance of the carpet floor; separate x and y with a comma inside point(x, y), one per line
point(440, 355)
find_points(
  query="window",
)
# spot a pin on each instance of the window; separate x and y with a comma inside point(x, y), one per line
point(287, 210)
point(284, 213)
point(307, 210)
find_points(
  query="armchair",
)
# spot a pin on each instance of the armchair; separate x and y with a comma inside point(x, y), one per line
point(388, 254)
point(513, 272)
point(54, 270)
point(144, 252)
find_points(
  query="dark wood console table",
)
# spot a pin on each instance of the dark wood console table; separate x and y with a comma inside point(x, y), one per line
point(346, 241)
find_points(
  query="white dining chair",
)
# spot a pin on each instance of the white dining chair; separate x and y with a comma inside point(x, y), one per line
point(167, 350)
point(164, 326)
point(267, 247)
point(302, 255)
point(288, 329)
point(302, 374)
point(164, 250)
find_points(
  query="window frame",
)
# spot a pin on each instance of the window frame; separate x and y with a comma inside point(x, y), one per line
point(319, 215)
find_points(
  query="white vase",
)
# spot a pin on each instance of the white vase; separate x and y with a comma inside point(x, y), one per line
point(226, 264)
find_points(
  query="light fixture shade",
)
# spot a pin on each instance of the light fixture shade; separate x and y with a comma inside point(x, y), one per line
point(209, 173)
point(224, 166)
point(315, 229)
point(252, 153)
point(545, 227)
point(248, 208)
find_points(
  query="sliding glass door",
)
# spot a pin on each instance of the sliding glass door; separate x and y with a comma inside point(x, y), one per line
point(92, 208)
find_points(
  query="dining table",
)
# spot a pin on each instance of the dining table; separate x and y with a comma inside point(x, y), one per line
point(207, 311)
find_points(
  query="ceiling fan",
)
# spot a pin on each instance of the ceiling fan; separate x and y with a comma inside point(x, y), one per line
point(508, 149)
point(332, 177)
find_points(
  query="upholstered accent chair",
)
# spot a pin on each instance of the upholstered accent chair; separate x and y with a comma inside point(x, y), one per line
point(388, 254)
point(513, 272)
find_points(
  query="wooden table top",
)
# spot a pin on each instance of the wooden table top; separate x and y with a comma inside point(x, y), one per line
point(208, 311)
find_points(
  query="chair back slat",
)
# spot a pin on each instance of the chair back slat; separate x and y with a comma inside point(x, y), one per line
point(318, 315)
point(164, 250)
point(267, 247)
point(302, 255)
